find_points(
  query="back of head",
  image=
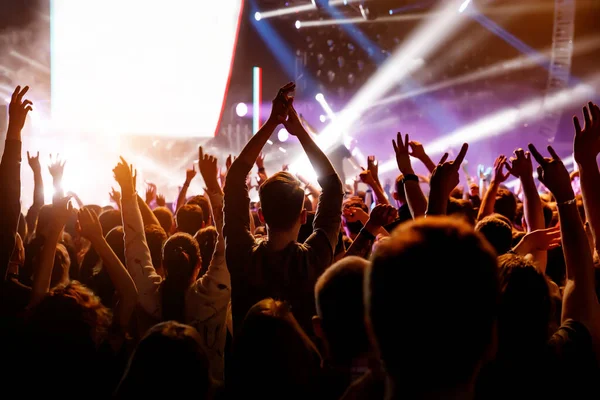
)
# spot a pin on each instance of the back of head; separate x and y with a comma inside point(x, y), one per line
point(497, 232)
point(207, 240)
point(66, 328)
point(95, 208)
point(462, 209)
point(339, 300)
point(506, 204)
point(272, 344)
point(204, 204)
point(165, 218)
point(62, 263)
point(181, 260)
point(109, 220)
point(189, 219)
point(525, 307)
point(169, 362)
point(155, 237)
point(116, 240)
point(282, 200)
point(354, 227)
point(399, 189)
point(434, 331)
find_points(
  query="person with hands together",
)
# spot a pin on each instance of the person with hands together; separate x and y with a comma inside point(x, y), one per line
point(278, 257)
point(382, 215)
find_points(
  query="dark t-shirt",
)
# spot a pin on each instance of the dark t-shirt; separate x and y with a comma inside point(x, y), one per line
point(565, 368)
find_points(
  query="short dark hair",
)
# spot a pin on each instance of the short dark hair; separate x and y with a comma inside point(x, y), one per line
point(461, 208)
point(449, 302)
point(339, 300)
point(525, 307)
point(110, 219)
point(155, 237)
point(506, 204)
point(189, 219)
point(165, 218)
point(399, 187)
point(497, 232)
point(204, 204)
point(282, 200)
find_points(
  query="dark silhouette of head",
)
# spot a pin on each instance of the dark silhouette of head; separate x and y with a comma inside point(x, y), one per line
point(207, 240)
point(340, 319)
point(110, 219)
point(204, 204)
point(155, 237)
point(272, 343)
point(282, 203)
point(497, 232)
point(506, 204)
point(448, 302)
point(165, 218)
point(181, 264)
point(189, 219)
point(169, 362)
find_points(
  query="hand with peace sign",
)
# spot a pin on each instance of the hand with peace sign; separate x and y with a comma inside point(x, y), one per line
point(444, 178)
point(402, 154)
point(553, 174)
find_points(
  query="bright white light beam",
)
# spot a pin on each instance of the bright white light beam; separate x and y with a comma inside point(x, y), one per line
point(259, 16)
point(506, 119)
point(321, 99)
point(430, 35)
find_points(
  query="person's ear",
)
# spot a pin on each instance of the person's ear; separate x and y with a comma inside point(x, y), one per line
point(304, 216)
point(395, 196)
point(261, 216)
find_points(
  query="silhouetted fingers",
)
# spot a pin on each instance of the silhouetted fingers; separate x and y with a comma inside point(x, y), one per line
point(536, 154)
point(461, 155)
point(553, 153)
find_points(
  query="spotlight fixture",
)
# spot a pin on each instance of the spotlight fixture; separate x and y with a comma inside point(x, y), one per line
point(322, 118)
point(241, 109)
point(257, 16)
point(283, 135)
point(298, 24)
point(369, 13)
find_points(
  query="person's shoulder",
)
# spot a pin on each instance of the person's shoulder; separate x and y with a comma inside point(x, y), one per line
point(571, 332)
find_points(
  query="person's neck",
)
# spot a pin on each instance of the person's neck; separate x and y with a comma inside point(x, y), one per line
point(280, 240)
point(396, 392)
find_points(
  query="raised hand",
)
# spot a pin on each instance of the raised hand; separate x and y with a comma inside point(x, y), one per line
point(62, 210)
point(123, 173)
point(260, 161)
point(285, 168)
point(373, 167)
point(354, 214)
point(365, 176)
point(445, 176)
point(17, 112)
point(34, 163)
point(281, 104)
point(115, 196)
point(88, 225)
point(521, 164)
point(293, 124)
point(499, 175)
point(382, 215)
point(416, 150)
point(207, 165)
point(229, 161)
point(539, 240)
point(160, 200)
point(553, 174)
point(402, 155)
point(190, 174)
point(151, 191)
point(586, 145)
point(56, 167)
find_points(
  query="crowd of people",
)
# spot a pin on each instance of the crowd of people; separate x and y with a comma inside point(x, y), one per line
point(468, 292)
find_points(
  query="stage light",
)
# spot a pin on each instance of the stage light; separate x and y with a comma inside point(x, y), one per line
point(283, 135)
point(257, 16)
point(298, 24)
point(322, 118)
point(368, 13)
point(319, 97)
point(281, 149)
point(241, 109)
point(507, 119)
point(464, 6)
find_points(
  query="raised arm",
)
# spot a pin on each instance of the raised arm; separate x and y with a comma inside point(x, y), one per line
point(381, 215)
point(148, 217)
point(38, 191)
point(418, 151)
point(489, 198)
point(236, 227)
point(61, 211)
point(579, 300)
point(57, 169)
point(10, 176)
point(137, 254)
point(189, 176)
point(586, 148)
point(534, 215)
point(217, 272)
point(444, 179)
point(89, 227)
point(417, 203)
point(328, 217)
